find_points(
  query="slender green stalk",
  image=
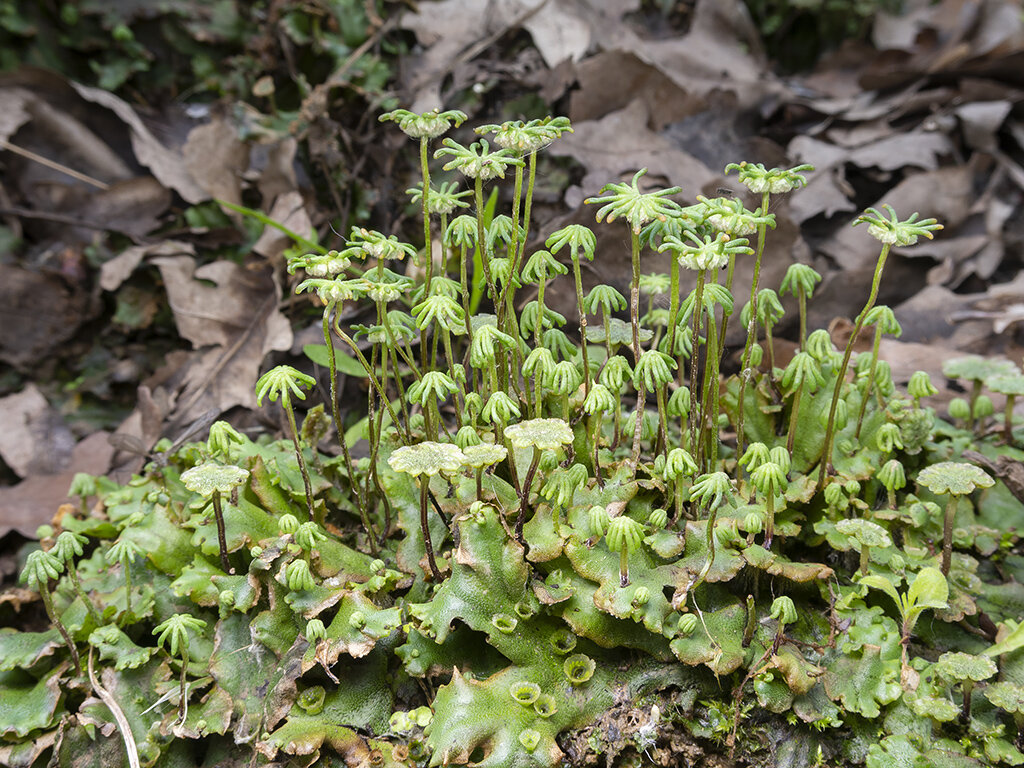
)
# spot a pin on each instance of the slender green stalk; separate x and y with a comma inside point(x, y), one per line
point(947, 533)
point(44, 592)
point(826, 456)
point(407, 438)
point(673, 311)
point(446, 340)
point(182, 686)
point(595, 429)
point(634, 295)
point(713, 360)
point(871, 380)
point(574, 257)
point(801, 296)
point(528, 206)
point(444, 249)
point(638, 426)
point(791, 434)
point(662, 421)
point(338, 427)
point(538, 330)
point(698, 312)
point(508, 290)
point(478, 192)
point(730, 273)
point(302, 468)
point(762, 232)
point(606, 322)
point(464, 280)
point(1008, 419)
point(769, 523)
point(77, 586)
point(428, 240)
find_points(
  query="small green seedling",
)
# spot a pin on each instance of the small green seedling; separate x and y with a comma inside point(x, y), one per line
point(173, 635)
point(928, 590)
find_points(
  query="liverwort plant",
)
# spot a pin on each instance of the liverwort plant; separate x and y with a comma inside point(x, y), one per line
point(884, 320)
point(524, 140)
point(710, 490)
point(540, 268)
point(1009, 697)
point(482, 456)
point(1012, 387)
point(679, 465)
point(653, 373)
point(977, 370)
point(624, 535)
point(889, 231)
point(866, 536)
point(800, 280)
point(66, 548)
point(423, 461)
point(210, 481)
point(529, 578)
point(599, 402)
point(705, 257)
point(173, 634)
point(331, 293)
point(539, 435)
point(577, 238)
point(479, 163)
point(40, 569)
point(955, 479)
point(637, 208)
point(803, 372)
point(124, 551)
point(769, 478)
point(965, 669)
point(425, 126)
point(285, 381)
point(764, 182)
point(893, 477)
point(605, 300)
point(462, 233)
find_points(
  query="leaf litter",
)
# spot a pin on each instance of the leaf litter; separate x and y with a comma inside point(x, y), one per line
point(924, 116)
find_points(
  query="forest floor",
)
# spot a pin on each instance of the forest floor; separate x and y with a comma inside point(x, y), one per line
point(134, 307)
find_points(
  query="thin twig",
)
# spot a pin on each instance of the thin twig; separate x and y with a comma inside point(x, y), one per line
point(119, 718)
point(77, 175)
point(72, 221)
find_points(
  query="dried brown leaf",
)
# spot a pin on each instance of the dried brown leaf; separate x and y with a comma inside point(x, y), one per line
point(39, 312)
point(35, 500)
point(620, 143)
point(114, 272)
point(166, 163)
point(230, 314)
point(216, 158)
point(454, 31)
point(721, 52)
point(944, 194)
point(289, 210)
point(34, 440)
point(132, 207)
point(13, 110)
